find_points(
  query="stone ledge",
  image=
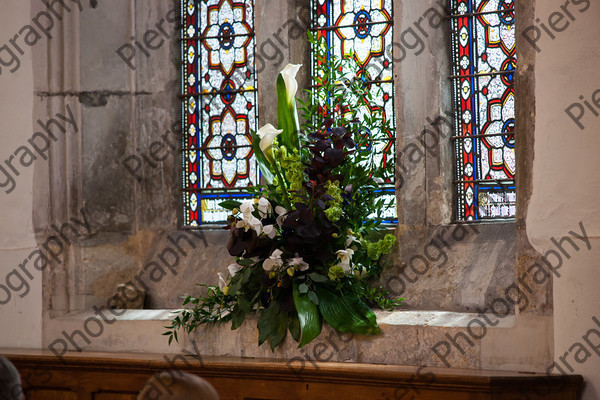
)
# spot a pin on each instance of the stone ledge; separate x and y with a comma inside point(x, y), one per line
point(407, 339)
point(438, 318)
point(395, 318)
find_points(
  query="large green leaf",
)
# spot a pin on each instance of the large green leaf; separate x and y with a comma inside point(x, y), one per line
point(294, 326)
point(240, 311)
point(279, 334)
point(309, 316)
point(268, 322)
point(230, 204)
point(239, 281)
point(263, 163)
point(272, 325)
point(284, 121)
point(346, 313)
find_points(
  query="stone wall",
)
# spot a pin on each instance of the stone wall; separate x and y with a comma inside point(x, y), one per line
point(124, 112)
point(21, 310)
point(134, 220)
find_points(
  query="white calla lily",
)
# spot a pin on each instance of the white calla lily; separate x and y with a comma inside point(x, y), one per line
point(223, 283)
point(289, 77)
point(267, 135)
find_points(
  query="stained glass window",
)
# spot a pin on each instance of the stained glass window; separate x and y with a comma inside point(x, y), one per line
point(363, 30)
point(219, 111)
point(484, 63)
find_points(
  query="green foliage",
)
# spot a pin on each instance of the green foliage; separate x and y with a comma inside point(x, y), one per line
point(346, 313)
point(378, 298)
point(308, 314)
point(214, 307)
point(383, 246)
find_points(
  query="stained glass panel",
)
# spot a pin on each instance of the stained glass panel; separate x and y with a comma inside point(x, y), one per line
point(484, 64)
point(363, 30)
point(219, 111)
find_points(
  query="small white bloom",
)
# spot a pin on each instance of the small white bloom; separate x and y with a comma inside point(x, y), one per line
point(256, 225)
point(270, 231)
point(247, 208)
point(281, 215)
point(289, 77)
point(345, 256)
point(346, 268)
point(234, 269)
point(250, 223)
point(349, 240)
point(298, 263)
point(264, 207)
point(274, 261)
point(222, 282)
point(280, 210)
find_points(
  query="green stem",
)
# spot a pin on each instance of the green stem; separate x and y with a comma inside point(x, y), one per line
point(283, 184)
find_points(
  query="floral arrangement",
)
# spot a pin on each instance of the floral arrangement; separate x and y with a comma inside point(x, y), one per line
point(309, 243)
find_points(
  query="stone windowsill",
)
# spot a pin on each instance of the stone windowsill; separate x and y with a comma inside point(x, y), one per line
point(446, 319)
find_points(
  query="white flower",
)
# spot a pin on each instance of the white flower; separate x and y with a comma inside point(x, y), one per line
point(280, 210)
point(298, 263)
point(247, 208)
point(274, 261)
point(349, 240)
point(256, 225)
point(270, 231)
point(281, 215)
point(345, 256)
point(223, 284)
point(234, 269)
point(250, 223)
point(267, 135)
point(264, 207)
point(289, 77)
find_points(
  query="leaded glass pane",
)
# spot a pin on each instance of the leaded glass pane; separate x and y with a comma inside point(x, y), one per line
point(484, 64)
point(219, 107)
point(363, 30)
